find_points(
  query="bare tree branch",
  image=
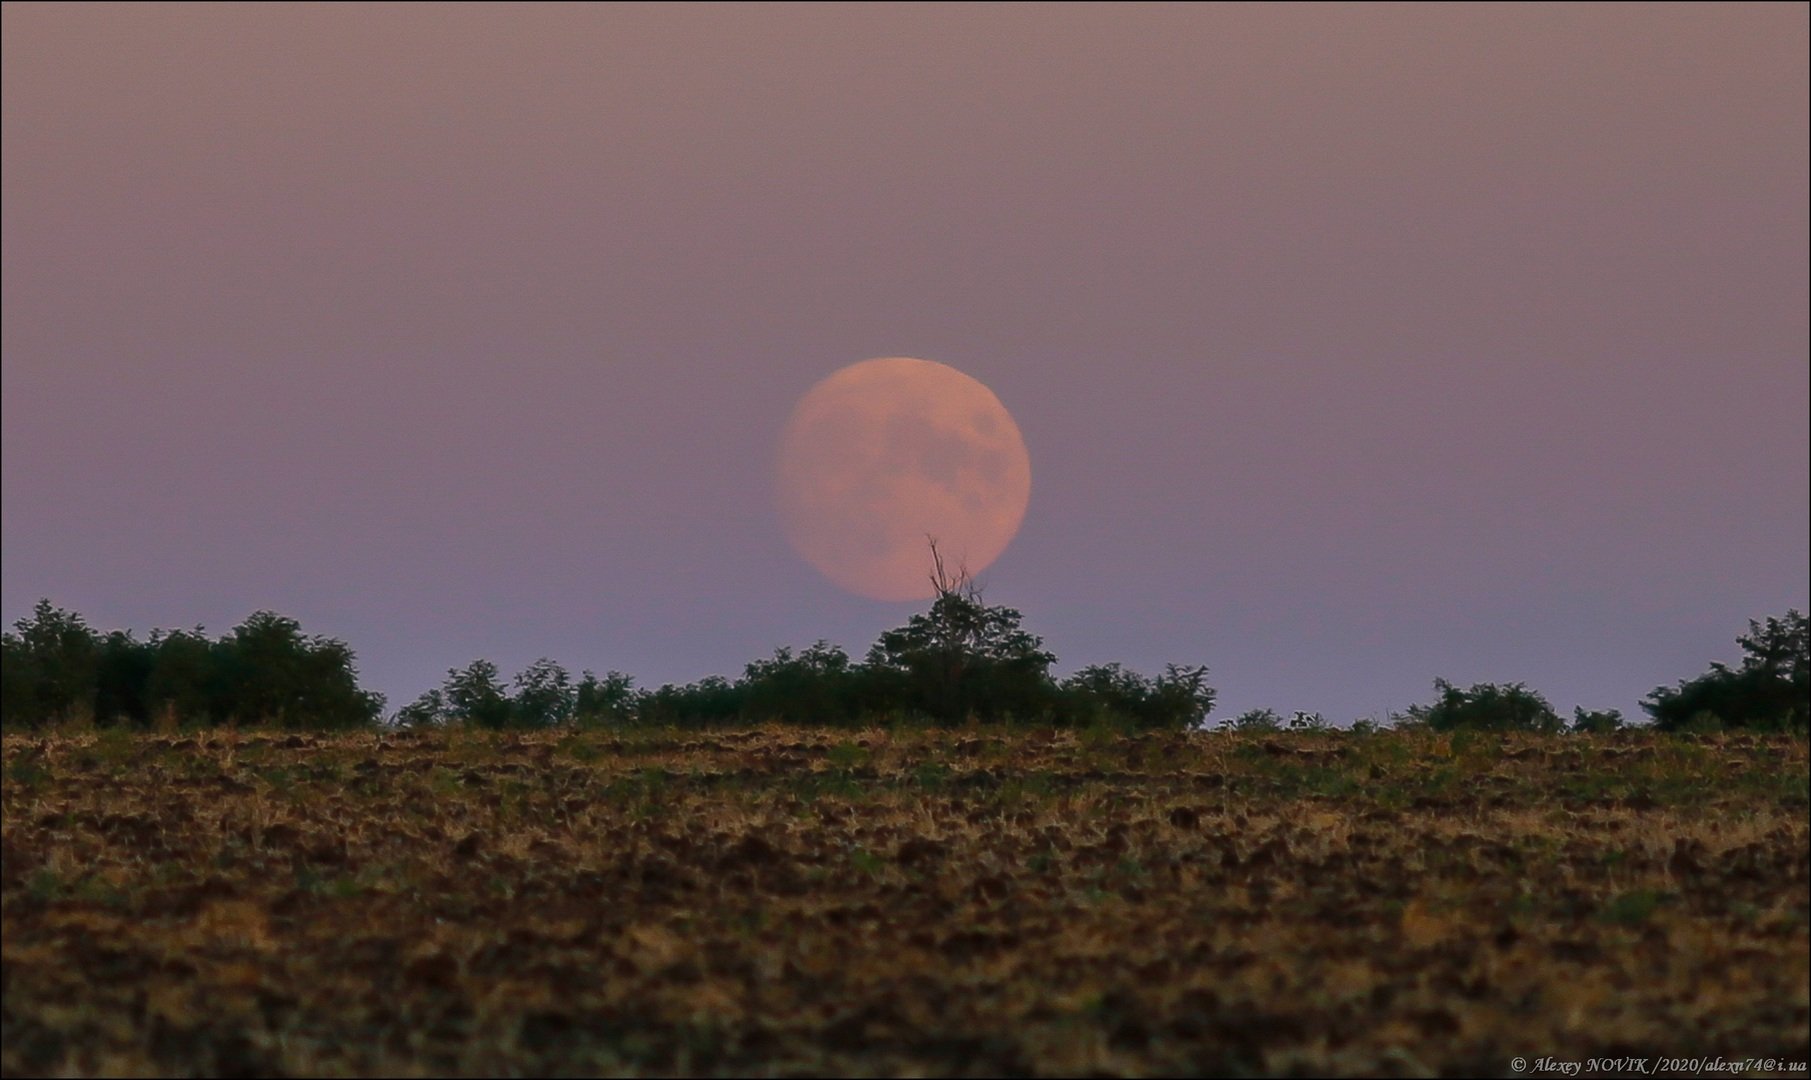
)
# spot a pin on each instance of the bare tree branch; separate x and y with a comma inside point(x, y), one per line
point(959, 584)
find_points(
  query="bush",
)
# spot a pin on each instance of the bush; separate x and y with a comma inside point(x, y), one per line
point(1179, 698)
point(1596, 722)
point(712, 701)
point(609, 700)
point(544, 695)
point(816, 686)
point(962, 659)
point(425, 711)
point(266, 670)
point(122, 675)
point(1254, 720)
point(1102, 693)
point(1771, 691)
point(183, 676)
point(1183, 698)
point(1309, 721)
point(49, 668)
point(475, 695)
point(1486, 707)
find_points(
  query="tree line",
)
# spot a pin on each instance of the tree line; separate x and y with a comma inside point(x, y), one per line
point(55, 668)
point(961, 660)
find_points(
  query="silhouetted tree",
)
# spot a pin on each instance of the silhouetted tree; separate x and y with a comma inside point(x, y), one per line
point(427, 710)
point(609, 700)
point(712, 701)
point(49, 667)
point(1254, 720)
point(1182, 696)
point(1770, 691)
point(1105, 692)
point(815, 686)
point(1486, 707)
point(544, 695)
point(1596, 721)
point(123, 668)
point(963, 658)
point(266, 670)
point(270, 672)
point(476, 695)
point(1179, 698)
point(185, 681)
point(1308, 721)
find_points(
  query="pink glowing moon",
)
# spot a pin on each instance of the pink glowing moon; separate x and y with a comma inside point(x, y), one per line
point(884, 453)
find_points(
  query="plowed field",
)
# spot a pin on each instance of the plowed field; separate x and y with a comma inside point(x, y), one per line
point(801, 902)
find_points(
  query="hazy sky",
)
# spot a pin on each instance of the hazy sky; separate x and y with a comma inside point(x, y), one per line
point(1352, 346)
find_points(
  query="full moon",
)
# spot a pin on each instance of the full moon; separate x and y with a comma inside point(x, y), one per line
point(885, 453)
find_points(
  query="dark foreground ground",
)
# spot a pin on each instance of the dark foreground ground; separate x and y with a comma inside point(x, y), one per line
point(796, 902)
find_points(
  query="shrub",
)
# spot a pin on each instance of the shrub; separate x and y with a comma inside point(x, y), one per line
point(710, 702)
point(1254, 720)
point(265, 670)
point(1179, 698)
point(182, 680)
point(425, 711)
point(816, 686)
point(1487, 707)
point(544, 695)
point(609, 700)
point(1596, 722)
point(1309, 721)
point(49, 668)
point(475, 695)
point(1770, 691)
point(961, 659)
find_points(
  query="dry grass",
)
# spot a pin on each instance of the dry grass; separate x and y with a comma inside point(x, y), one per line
point(813, 902)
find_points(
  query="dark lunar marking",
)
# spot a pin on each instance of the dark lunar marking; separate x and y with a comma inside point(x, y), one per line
point(916, 445)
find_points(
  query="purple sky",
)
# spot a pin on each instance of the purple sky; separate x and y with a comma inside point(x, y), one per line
point(1352, 346)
